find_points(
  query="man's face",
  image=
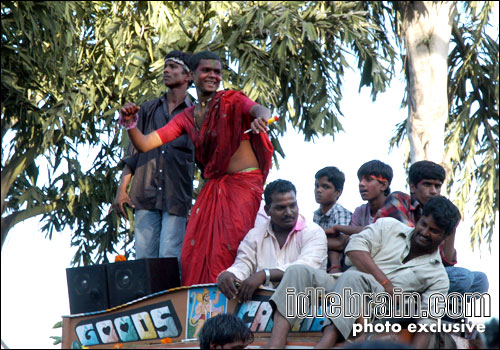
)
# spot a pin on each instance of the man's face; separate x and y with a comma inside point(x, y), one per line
point(325, 192)
point(283, 210)
point(370, 188)
point(174, 75)
point(208, 75)
point(427, 236)
point(426, 189)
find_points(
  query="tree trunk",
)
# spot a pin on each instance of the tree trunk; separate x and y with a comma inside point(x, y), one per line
point(427, 33)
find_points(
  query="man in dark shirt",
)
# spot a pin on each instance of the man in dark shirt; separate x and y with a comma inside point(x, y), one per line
point(162, 185)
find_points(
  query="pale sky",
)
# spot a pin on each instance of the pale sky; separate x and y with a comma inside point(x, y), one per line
point(33, 278)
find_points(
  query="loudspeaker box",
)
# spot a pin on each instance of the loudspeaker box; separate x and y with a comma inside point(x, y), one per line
point(133, 279)
point(87, 288)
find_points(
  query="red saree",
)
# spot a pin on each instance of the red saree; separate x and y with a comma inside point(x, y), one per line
point(226, 207)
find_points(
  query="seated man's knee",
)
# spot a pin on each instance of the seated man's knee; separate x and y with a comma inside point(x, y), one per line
point(460, 278)
point(297, 270)
point(352, 274)
point(481, 283)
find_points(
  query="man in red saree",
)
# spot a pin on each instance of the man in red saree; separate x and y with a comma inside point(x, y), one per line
point(235, 165)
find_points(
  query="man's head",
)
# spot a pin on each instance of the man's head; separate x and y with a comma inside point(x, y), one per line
point(439, 219)
point(176, 71)
point(281, 204)
point(374, 179)
point(426, 179)
point(225, 331)
point(328, 185)
point(207, 71)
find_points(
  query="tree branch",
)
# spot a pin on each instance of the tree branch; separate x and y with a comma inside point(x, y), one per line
point(463, 50)
point(11, 171)
point(9, 221)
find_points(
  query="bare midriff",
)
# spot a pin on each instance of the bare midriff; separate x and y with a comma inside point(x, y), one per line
point(243, 158)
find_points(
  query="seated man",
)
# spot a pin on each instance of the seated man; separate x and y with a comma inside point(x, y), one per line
point(385, 255)
point(374, 180)
point(426, 179)
point(268, 250)
point(225, 331)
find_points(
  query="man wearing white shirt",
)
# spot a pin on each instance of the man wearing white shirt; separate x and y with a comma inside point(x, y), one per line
point(268, 250)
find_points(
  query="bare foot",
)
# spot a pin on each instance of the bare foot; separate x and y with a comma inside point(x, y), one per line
point(329, 338)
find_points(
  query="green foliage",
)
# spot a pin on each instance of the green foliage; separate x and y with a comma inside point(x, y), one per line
point(291, 57)
point(67, 67)
point(57, 339)
point(472, 137)
point(471, 140)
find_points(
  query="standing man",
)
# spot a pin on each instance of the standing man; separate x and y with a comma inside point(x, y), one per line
point(162, 183)
point(234, 163)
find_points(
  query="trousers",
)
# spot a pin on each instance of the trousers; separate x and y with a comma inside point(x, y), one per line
point(158, 234)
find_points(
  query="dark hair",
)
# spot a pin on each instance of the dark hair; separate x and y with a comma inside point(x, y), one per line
point(426, 169)
point(444, 212)
point(334, 175)
point(184, 57)
point(223, 329)
point(277, 186)
point(203, 55)
point(379, 169)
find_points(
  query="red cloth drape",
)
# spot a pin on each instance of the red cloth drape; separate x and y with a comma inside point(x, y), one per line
point(224, 212)
point(226, 208)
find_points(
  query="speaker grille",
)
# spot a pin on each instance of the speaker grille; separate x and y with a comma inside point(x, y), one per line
point(87, 288)
point(133, 279)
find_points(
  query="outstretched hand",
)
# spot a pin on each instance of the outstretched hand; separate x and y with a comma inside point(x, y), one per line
point(128, 111)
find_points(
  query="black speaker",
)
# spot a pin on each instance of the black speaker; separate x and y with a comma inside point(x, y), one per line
point(133, 279)
point(87, 288)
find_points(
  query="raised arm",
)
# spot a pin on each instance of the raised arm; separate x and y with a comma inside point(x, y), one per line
point(128, 119)
point(448, 251)
point(144, 143)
